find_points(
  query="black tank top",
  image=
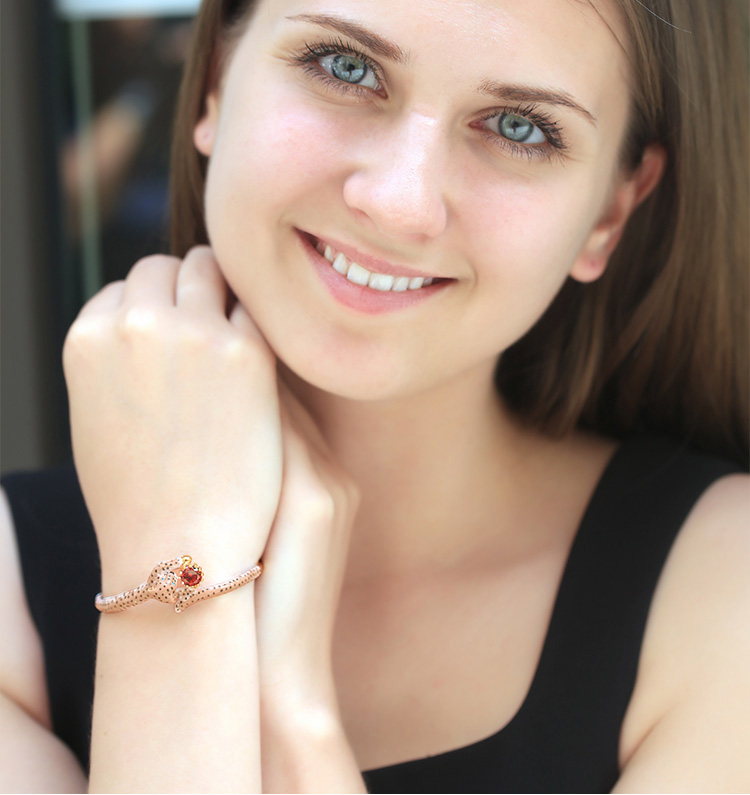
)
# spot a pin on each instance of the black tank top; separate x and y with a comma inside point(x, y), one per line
point(565, 736)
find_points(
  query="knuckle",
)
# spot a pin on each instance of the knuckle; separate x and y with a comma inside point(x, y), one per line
point(135, 321)
point(202, 339)
point(201, 261)
point(202, 255)
point(352, 493)
point(110, 290)
point(308, 492)
point(235, 348)
point(201, 249)
point(154, 262)
point(246, 352)
point(343, 484)
point(348, 497)
point(91, 330)
point(71, 348)
point(84, 335)
point(321, 507)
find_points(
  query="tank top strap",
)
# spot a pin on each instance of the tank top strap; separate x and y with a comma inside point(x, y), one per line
point(587, 669)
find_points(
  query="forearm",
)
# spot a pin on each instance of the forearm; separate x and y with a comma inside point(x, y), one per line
point(306, 750)
point(176, 699)
point(313, 757)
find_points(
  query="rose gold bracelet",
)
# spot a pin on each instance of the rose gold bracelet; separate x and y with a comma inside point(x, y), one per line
point(180, 589)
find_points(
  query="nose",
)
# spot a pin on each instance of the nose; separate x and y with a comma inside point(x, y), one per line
point(398, 181)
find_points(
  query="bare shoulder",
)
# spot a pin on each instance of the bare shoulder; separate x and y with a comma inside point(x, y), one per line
point(22, 675)
point(688, 725)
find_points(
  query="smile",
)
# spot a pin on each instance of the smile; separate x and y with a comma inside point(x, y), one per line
point(356, 274)
point(384, 287)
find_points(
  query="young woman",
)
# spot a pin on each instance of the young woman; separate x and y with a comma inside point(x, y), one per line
point(455, 287)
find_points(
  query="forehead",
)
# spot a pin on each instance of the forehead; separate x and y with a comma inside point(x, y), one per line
point(485, 23)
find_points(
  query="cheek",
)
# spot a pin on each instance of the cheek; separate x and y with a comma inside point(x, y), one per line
point(273, 152)
point(535, 228)
point(525, 237)
point(272, 156)
point(279, 159)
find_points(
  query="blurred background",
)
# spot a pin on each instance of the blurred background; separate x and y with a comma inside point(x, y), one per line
point(87, 93)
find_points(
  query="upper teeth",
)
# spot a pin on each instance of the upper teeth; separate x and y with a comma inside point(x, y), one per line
point(377, 281)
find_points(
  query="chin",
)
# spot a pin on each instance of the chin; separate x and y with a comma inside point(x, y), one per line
point(357, 386)
point(359, 383)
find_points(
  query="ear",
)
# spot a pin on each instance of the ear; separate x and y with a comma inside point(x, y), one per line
point(630, 190)
point(204, 132)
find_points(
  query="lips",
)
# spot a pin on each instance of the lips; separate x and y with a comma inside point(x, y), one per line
point(371, 286)
point(369, 262)
point(357, 274)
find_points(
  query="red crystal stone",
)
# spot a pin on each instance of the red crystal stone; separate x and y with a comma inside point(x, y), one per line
point(191, 576)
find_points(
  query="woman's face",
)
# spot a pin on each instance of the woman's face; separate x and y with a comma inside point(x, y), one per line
point(474, 143)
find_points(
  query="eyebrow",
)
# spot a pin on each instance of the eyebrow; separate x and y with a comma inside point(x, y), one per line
point(353, 30)
point(528, 94)
point(393, 52)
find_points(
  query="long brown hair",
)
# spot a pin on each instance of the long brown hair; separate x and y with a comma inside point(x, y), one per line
point(660, 342)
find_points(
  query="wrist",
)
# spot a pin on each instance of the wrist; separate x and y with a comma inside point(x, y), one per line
point(126, 569)
point(305, 703)
point(310, 722)
point(307, 750)
point(202, 618)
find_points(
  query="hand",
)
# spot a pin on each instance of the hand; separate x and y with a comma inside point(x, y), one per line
point(174, 418)
point(297, 595)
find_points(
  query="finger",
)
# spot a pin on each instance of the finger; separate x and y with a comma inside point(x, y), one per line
point(151, 282)
point(297, 447)
point(107, 300)
point(201, 287)
point(241, 320)
point(300, 418)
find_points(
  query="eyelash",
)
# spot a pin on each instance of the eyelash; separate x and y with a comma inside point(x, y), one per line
point(311, 53)
point(555, 146)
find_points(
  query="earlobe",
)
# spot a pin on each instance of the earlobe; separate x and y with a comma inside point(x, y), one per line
point(204, 132)
point(630, 191)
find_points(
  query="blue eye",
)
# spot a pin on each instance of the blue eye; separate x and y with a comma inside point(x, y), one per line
point(349, 69)
point(527, 132)
point(517, 129)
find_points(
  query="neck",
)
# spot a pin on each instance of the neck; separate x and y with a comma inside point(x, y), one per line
point(427, 466)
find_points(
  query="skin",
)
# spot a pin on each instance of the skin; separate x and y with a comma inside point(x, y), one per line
point(367, 457)
point(408, 179)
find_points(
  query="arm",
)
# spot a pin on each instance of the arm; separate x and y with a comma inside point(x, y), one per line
point(178, 445)
point(308, 752)
point(688, 726)
point(305, 748)
point(176, 699)
point(32, 758)
point(176, 437)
